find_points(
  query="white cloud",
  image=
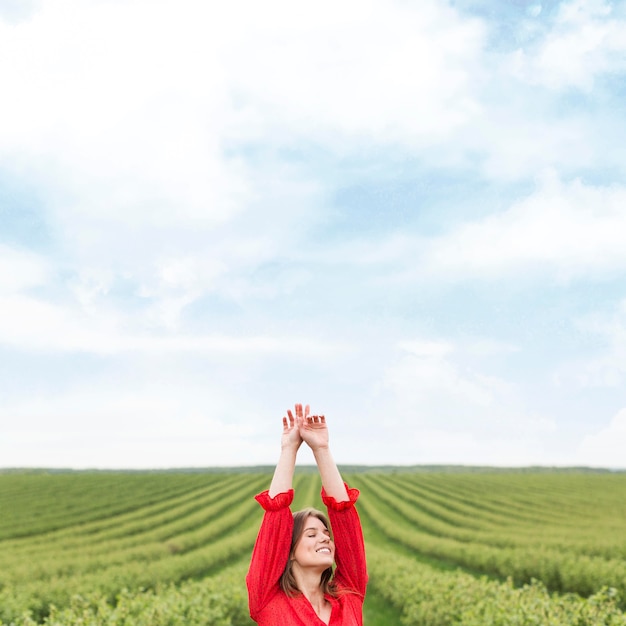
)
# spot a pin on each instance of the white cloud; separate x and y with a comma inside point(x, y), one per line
point(562, 231)
point(121, 113)
point(21, 269)
point(129, 106)
point(607, 447)
point(89, 285)
point(426, 349)
point(14, 11)
point(519, 139)
point(36, 325)
point(380, 69)
point(156, 426)
point(606, 365)
point(146, 107)
point(439, 446)
point(188, 155)
point(143, 104)
point(584, 42)
point(430, 408)
point(428, 385)
point(486, 346)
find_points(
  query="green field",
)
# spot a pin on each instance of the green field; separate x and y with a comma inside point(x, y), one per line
point(444, 547)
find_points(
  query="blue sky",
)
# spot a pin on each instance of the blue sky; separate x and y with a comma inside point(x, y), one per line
point(410, 215)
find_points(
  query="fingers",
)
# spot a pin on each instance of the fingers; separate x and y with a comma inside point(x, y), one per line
point(303, 416)
point(288, 423)
point(302, 413)
point(316, 419)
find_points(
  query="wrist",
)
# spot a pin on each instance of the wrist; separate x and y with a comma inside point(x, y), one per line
point(323, 449)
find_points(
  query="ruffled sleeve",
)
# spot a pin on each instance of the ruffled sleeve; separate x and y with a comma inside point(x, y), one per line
point(351, 571)
point(279, 501)
point(342, 505)
point(271, 550)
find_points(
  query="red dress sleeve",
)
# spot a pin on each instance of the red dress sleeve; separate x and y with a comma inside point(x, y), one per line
point(271, 549)
point(351, 570)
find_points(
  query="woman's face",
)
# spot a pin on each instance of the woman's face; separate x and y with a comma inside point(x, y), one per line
point(315, 547)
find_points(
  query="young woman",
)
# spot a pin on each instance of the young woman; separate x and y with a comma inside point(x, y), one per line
point(291, 580)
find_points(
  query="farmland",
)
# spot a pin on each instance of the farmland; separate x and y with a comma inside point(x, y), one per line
point(456, 547)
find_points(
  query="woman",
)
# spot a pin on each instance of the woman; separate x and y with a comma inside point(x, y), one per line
point(291, 580)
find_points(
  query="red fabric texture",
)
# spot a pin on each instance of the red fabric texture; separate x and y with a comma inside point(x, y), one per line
point(269, 605)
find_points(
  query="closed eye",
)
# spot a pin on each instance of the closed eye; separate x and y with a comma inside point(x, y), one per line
point(313, 532)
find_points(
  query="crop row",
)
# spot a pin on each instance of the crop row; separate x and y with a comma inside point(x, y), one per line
point(147, 524)
point(427, 597)
point(524, 500)
point(216, 601)
point(557, 570)
point(422, 595)
point(432, 519)
point(593, 513)
point(169, 541)
point(140, 557)
point(481, 509)
point(144, 551)
point(36, 503)
point(58, 591)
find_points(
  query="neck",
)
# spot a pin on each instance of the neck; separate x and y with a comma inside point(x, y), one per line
point(309, 583)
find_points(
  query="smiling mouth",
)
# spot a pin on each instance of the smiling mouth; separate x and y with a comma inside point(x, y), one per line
point(326, 550)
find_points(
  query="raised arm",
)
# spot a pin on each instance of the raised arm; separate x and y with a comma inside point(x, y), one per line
point(351, 571)
point(271, 550)
point(314, 431)
point(289, 444)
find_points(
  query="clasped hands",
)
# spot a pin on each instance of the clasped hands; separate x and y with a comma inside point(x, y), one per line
point(311, 429)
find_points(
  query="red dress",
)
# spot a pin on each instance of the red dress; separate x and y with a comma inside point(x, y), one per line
point(269, 605)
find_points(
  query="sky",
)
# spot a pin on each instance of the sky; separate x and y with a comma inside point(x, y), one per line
point(410, 215)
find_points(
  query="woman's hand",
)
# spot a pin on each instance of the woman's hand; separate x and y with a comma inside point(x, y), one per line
point(291, 437)
point(314, 431)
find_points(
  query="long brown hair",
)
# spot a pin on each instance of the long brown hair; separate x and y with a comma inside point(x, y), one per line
point(287, 580)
